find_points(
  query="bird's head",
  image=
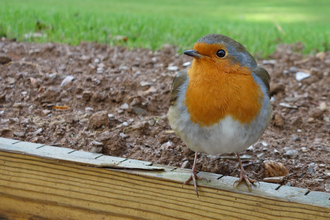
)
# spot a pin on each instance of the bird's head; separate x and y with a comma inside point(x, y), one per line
point(220, 51)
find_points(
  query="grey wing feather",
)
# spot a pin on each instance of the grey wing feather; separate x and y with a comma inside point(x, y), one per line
point(177, 83)
point(263, 75)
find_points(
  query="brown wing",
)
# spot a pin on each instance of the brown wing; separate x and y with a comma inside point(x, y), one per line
point(177, 83)
point(264, 76)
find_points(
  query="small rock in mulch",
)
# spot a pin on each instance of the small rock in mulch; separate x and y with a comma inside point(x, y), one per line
point(291, 154)
point(19, 134)
point(99, 119)
point(124, 106)
point(45, 112)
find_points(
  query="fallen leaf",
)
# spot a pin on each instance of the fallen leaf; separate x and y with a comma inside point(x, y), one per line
point(274, 169)
point(60, 107)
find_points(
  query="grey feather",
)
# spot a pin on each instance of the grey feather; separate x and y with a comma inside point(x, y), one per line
point(177, 83)
point(263, 75)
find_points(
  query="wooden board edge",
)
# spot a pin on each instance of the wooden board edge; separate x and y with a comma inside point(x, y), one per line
point(168, 173)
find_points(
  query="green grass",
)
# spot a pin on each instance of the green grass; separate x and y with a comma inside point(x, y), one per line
point(152, 23)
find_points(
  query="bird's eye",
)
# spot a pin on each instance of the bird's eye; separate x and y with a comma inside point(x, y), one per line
point(221, 53)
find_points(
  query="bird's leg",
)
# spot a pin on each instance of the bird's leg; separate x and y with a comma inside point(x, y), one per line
point(244, 176)
point(194, 175)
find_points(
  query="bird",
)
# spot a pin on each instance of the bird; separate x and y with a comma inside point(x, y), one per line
point(221, 103)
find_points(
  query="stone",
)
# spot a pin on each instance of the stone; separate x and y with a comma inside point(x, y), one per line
point(96, 143)
point(139, 111)
point(185, 164)
point(99, 119)
point(186, 64)
point(124, 106)
point(89, 109)
point(292, 154)
point(292, 69)
point(302, 75)
point(144, 83)
point(122, 135)
point(269, 62)
point(323, 106)
point(45, 112)
point(66, 80)
point(173, 68)
point(105, 136)
point(19, 134)
point(296, 138)
point(96, 149)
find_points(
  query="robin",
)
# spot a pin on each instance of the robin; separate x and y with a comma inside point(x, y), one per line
point(221, 104)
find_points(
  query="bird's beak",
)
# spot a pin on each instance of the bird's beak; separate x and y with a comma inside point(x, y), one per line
point(193, 53)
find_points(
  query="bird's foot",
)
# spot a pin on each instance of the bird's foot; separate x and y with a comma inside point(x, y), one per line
point(194, 177)
point(247, 179)
point(243, 176)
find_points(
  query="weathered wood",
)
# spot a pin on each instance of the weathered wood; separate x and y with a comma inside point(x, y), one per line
point(33, 187)
point(70, 155)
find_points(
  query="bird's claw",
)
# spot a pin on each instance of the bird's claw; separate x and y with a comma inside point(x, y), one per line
point(247, 179)
point(194, 177)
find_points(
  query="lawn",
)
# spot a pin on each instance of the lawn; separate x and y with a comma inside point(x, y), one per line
point(259, 25)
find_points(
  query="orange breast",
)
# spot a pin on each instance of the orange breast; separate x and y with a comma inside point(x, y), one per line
point(214, 93)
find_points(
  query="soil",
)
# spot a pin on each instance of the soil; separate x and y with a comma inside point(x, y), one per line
point(114, 101)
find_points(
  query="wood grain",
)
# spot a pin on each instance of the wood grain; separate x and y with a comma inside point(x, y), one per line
point(40, 188)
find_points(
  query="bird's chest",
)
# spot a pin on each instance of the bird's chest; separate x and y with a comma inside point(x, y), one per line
point(210, 100)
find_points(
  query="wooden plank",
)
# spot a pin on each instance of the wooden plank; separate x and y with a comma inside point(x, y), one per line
point(92, 159)
point(19, 147)
point(115, 193)
point(76, 156)
point(38, 188)
point(27, 145)
point(87, 155)
point(35, 209)
point(6, 142)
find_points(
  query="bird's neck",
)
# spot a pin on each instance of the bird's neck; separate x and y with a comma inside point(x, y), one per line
point(214, 93)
